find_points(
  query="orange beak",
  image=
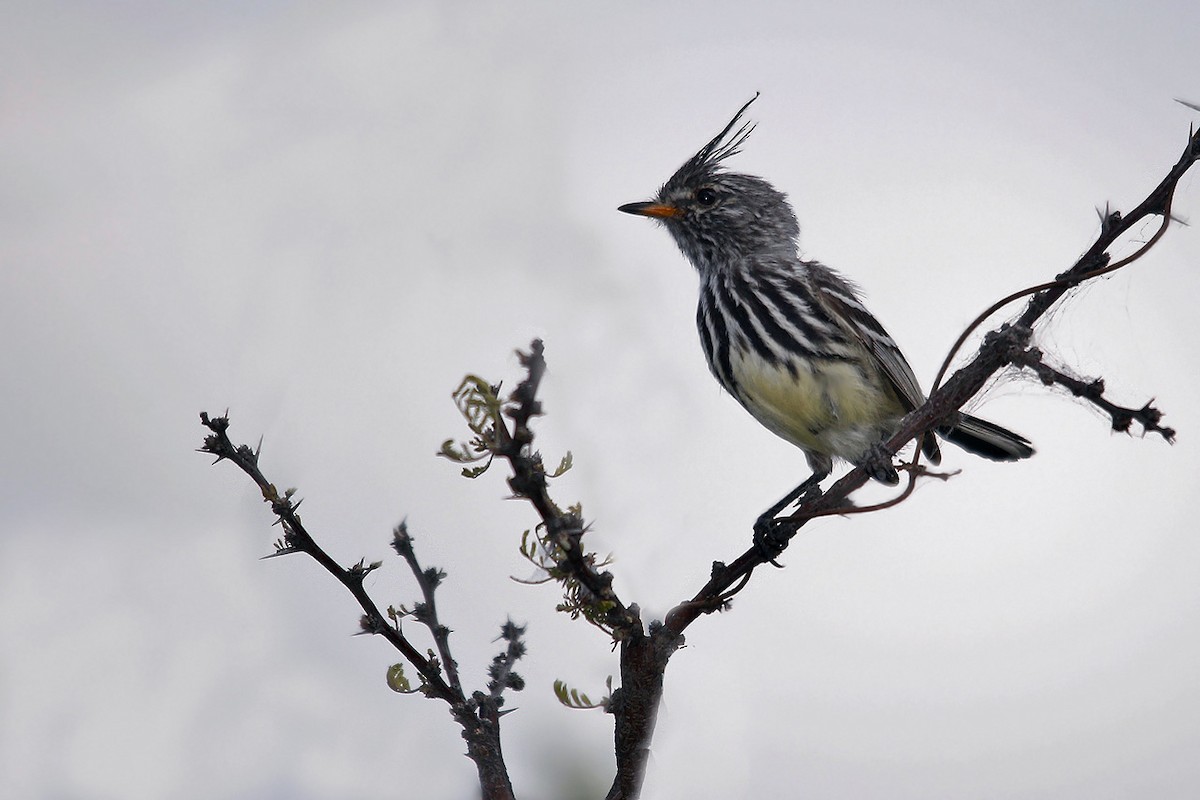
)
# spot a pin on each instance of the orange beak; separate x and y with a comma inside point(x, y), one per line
point(651, 209)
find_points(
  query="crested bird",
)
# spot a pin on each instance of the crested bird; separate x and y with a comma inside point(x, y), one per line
point(790, 339)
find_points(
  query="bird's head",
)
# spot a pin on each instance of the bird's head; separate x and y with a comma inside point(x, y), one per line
point(719, 217)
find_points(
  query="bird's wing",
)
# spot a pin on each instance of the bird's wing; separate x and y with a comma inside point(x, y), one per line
point(842, 302)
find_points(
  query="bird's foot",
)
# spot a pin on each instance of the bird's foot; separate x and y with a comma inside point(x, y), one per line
point(772, 534)
point(878, 464)
point(769, 538)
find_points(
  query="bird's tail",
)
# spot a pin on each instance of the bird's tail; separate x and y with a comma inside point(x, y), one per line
point(985, 439)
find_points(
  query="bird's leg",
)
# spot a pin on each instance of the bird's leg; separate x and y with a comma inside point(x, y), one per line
point(765, 528)
point(813, 480)
point(878, 464)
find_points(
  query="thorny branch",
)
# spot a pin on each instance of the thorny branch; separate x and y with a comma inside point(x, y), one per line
point(563, 529)
point(501, 669)
point(426, 612)
point(1092, 390)
point(296, 539)
point(504, 432)
point(479, 714)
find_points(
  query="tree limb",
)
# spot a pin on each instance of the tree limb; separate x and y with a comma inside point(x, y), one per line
point(478, 715)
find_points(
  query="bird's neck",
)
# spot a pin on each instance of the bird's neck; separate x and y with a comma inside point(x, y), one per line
point(762, 261)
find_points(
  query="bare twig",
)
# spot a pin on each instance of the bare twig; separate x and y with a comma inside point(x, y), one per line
point(477, 715)
point(426, 612)
point(501, 670)
point(297, 539)
point(1092, 390)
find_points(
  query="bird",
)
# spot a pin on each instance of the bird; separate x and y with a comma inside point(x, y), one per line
point(790, 339)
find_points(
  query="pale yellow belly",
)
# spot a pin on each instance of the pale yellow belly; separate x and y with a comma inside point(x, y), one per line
point(832, 409)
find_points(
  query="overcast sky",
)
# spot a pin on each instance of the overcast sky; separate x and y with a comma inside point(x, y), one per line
point(320, 216)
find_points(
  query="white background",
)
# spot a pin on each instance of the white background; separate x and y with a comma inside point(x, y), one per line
point(322, 216)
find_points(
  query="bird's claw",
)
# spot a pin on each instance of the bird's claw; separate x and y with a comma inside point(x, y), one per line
point(769, 540)
point(878, 464)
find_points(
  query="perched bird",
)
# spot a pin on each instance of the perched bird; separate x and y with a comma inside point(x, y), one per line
point(790, 339)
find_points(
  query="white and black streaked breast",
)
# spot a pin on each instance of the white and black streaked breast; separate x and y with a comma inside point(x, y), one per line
point(765, 314)
point(795, 367)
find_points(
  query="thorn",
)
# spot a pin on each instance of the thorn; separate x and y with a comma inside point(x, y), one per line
point(278, 553)
point(1108, 217)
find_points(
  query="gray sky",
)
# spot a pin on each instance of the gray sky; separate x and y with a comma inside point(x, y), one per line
point(322, 216)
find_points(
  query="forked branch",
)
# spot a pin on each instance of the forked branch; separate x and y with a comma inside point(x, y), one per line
point(479, 714)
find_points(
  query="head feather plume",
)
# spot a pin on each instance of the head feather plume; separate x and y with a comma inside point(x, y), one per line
point(722, 146)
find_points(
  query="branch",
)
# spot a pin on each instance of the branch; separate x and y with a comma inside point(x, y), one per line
point(297, 539)
point(564, 530)
point(478, 715)
point(426, 613)
point(501, 670)
point(643, 658)
point(1122, 418)
point(503, 431)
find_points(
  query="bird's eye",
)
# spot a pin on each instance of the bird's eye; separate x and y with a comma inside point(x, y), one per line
point(706, 196)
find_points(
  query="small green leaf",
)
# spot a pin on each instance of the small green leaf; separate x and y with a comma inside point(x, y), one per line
point(573, 698)
point(475, 472)
point(459, 453)
point(563, 466)
point(397, 681)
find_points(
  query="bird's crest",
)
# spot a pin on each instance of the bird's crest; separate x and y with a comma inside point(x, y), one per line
point(708, 159)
